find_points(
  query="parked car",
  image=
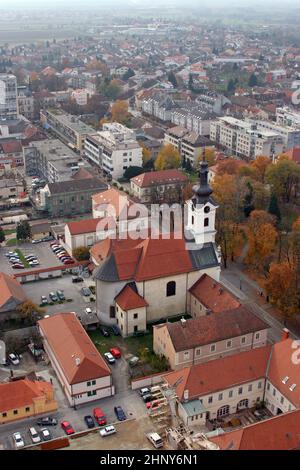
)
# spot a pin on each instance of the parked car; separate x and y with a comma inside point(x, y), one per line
point(109, 358)
point(48, 238)
point(89, 421)
point(88, 310)
point(44, 300)
point(46, 435)
point(69, 261)
point(144, 391)
point(38, 240)
point(18, 440)
point(31, 258)
point(14, 359)
point(147, 397)
point(115, 352)
point(47, 421)
point(104, 332)
point(76, 279)
point(64, 258)
point(34, 436)
point(54, 243)
point(155, 439)
point(107, 431)
point(34, 263)
point(60, 295)
point(53, 297)
point(120, 413)
point(18, 266)
point(86, 291)
point(133, 361)
point(66, 426)
point(115, 330)
point(99, 416)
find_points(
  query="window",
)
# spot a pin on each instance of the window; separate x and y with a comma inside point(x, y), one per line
point(259, 385)
point(4, 415)
point(112, 311)
point(192, 220)
point(213, 348)
point(210, 399)
point(257, 336)
point(93, 382)
point(250, 388)
point(240, 390)
point(171, 288)
point(206, 209)
point(186, 354)
point(268, 386)
point(198, 352)
point(206, 222)
point(230, 393)
point(88, 384)
point(274, 392)
point(243, 340)
point(91, 393)
point(220, 397)
point(282, 400)
point(135, 315)
point(229, 344)
point(135, 328)
point(15, 412)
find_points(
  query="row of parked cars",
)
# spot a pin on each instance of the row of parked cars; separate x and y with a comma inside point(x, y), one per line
point(112, 355)
point(15, 260)
point(53, 297)
point(61, 253)
point(36, 437)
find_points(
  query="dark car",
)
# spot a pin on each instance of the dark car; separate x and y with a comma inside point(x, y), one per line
point(77, 279)
point(60, 295)
point(47, 421)
point(147, 397)
point(89, 421)
point(104, 332)
point(120, 413)
point(115, 330)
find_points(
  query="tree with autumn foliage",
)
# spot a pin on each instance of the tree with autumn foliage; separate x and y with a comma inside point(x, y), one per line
point(167, 158)
point(210, 155)
point(281, 289)
point(260, 166)
point(262, 238)
point(119, 111)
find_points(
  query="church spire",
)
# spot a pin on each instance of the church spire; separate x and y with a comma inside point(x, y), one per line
point(202, 191)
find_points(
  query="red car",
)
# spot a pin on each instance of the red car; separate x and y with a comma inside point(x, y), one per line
point(67, 427)
point(69, 261)
point(99, 416)
point(115, 352)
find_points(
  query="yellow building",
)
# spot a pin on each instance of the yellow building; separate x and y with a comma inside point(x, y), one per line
point(24, 398)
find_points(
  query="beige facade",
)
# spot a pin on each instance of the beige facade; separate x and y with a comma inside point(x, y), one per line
point(163, 346)
point(131, 321)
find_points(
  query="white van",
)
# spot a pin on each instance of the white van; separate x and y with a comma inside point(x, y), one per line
point(155, 439)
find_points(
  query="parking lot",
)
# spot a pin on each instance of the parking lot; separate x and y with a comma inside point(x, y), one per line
point(42, 251)
point(34, 291)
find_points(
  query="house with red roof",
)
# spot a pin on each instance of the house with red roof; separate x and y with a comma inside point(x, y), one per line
point(81, 370)
point(130, 310)
point(154, 185)
point(11, 294)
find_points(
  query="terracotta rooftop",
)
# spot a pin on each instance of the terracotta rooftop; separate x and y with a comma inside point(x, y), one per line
point(278, 433)
point(69, 341)
point(10, 289)
point(21, 393)
point(128, 299)
point(152, 178)
point(213, 295)
point(78, 227)
point(112, 199)
point(213, 328)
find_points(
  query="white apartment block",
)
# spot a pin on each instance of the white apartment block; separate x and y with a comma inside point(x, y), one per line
point(246, 138)
point(8, 97)
point(193, 120)
point(290, 135)
point(114, 149)
point(287, 117)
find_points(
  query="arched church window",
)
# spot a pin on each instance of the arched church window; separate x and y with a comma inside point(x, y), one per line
point(192, 220)
point(171, 288)
point(206, 222)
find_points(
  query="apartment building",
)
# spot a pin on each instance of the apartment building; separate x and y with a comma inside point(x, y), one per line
point(66, 127)
point(193, 119)
point(114, 149)
point(159, 106)
point(157, 185)
point(193, 341)
point(8, 97)
point(81, 370)
point(26, 103)
point(51, 160)
point(290, 135)
point(189, 143)
point(287, 117)
point(245, 138)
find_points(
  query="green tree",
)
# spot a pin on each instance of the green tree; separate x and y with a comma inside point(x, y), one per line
point(23, 231)
point(252, 80)
point(2, 235)
point(82, 253)
point(231, 86)
point(274, 207)
point(130, 73)
point(133, 171)
point(172, 79)
point(283, 177)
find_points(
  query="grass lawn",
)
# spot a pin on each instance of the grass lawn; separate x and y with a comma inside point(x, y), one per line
point(10, 231)
point(129, 345)
point(23, 259)
point(12, 242)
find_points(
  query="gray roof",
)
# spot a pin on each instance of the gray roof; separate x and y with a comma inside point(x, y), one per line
point(84, 184)
point(107, 271)
point(204, 257)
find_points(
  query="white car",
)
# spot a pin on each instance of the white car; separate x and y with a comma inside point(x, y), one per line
point(109, 357)
point(107, 431)
point(46, 434)
point(88, 310)
point(14, 359)
point(34, 435)
point(18, 440)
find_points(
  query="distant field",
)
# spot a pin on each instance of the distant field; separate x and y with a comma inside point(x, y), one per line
point(20, 37)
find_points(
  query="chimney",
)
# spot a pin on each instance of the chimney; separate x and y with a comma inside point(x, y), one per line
point(77, 361)
point(186, 395)
point(183, 322)
point(285, 334)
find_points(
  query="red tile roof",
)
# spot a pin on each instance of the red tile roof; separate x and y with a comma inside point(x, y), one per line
point(205, 378)
point(213, 328)
point(278, 433)
point(12, 147)
point(114, 198)
point(10, 289)
point(83, 226)
point(128, 299)
point(152, 178)
point(213, 295)
point(21, 393)
point(68, 340)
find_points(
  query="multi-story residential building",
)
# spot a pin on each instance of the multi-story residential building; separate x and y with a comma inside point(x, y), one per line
point(26, 103)
point(81, 370)
point(213, 102)
point(206, 338)
point(72, 197)
point(8, 97)
point(159, 106)
point(190, 144)
point(66, 127)
point(287, 117)
point(11, 188)
point(265, 374)
point(114, 149)
point(197, 120)
point(25, 398)
point(158, 185)
point(290, 135)
point(245, 138)
point(51, 160)
point(11, 153)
